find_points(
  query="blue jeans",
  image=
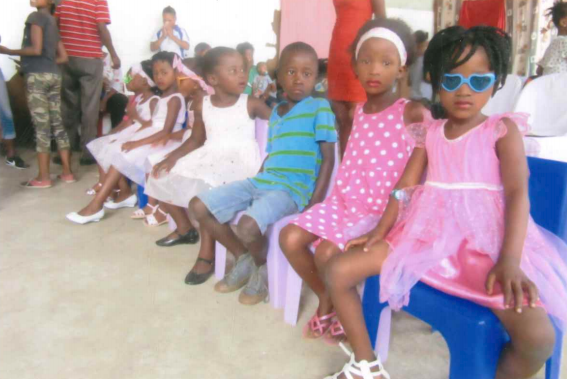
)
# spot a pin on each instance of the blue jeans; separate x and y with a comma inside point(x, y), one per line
point(263, 206)
point(6, 118)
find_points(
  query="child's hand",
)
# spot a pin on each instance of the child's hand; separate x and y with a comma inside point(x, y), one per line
point(166, 165)
point(129, 146)
point(366, 240)
point(513, 281)
point(162, 142)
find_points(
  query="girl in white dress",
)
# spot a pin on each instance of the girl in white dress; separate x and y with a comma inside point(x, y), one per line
point(138, 115)
point(168, 117)
point(191, 86)
point(222, 148)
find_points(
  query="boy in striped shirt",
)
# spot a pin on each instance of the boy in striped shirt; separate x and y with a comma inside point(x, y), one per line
point(295, 176)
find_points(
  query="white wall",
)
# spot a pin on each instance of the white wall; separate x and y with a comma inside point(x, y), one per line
point(217, 22)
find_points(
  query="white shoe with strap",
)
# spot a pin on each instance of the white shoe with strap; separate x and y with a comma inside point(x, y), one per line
point(151, 219)
point(139, 214)
point(362, 369)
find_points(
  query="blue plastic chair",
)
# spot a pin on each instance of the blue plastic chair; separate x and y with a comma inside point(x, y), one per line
point(475, 336)
point(142, 197)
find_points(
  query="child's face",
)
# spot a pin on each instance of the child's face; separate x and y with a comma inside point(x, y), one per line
point(164, 75)
point(297, 75)
point(378, 66)
point(186, 86)
point(41, 3)
point(262, 69)
point(465, 103)
point(249, 57)
point(230, 75)
point(169, 20)
point(137, 82)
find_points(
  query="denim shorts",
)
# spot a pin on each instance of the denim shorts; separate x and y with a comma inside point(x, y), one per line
point(6, 119)
point(264, 206)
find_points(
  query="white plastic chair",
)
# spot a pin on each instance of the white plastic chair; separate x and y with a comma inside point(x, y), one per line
point(544, 99)
point(506, 98)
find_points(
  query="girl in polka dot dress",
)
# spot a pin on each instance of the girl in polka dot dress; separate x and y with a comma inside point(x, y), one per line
point(377, 151)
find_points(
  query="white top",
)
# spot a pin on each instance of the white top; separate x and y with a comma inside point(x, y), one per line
point(555, 58)
point(143, 109)
point(160, 113)
point(229, 126)
point(169, 45)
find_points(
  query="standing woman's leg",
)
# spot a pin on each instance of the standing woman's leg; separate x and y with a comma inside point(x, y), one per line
point(36, 90)
point(59, 132)
point(91, 87)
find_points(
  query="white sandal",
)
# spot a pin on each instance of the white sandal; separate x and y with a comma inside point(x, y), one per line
point(151, 219)
point(362, 369)
point(140, 214)
point(92, 191)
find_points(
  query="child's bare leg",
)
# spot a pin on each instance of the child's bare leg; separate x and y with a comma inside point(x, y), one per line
point(248, 232)
point(180, 217)
point(43, 164)
point(65, 156)
point(344, 272)
point(295, 243)
point(112, 180)
point(125, 191)
point(206, 252)
point(532, 339)
point(220, 232)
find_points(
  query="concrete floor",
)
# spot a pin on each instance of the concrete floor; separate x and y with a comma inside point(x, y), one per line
point(102, 301)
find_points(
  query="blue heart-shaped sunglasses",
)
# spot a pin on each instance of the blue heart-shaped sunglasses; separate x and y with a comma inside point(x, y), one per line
point(476, 82)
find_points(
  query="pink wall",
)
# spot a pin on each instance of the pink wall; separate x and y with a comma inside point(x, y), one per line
point(309, 21)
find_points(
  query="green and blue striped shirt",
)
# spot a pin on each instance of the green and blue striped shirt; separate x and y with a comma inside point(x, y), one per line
point(294, 154)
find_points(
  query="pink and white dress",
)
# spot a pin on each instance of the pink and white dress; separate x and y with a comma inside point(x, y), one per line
point(132, 164)
point(104, 148)
point(450, 230)
point(376, 155)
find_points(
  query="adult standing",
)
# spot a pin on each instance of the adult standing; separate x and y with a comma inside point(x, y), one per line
point(82, 24)
point(344, 89)
point(171, 37)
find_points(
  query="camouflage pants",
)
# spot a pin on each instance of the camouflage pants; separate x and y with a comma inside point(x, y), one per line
point(44, 100)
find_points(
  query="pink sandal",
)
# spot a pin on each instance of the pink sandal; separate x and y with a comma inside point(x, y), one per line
point(334, 331)
point(318, 325)
point(37, 184)
point(67, 178)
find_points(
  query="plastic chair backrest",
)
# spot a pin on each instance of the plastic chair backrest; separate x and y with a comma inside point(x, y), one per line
point(544, 99)
point(548, 195)
point(262, 136)
point(506, 98)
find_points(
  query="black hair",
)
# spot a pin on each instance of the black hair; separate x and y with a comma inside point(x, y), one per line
point(395, 25)
point(420, 36)
point(557, 12)
point(147, 66)
point(323, 63)
point(169, 10)
point(242, 47)
point(213, 57)
point(164, 56)
point(446, 47)
point(202, 46)
point(298, 47)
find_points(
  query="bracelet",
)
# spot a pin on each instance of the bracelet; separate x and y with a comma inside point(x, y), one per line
point(397, 194)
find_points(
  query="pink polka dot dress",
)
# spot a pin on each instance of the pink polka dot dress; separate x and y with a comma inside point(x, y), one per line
point(376, 155)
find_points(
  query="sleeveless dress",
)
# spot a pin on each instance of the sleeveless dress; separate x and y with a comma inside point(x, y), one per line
point(104, 148)
point(343, 84)
point(450, 230)
point(161, 152)
point(376, 155)
point(230, 153)
point(132, 163)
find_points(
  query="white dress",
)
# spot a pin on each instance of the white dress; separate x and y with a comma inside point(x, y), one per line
point(555, 58)
point(161, 152)
point(230, 153)
point(132, 163)
point(104, 148)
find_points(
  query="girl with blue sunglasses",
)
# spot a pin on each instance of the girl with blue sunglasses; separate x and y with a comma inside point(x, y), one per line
point(466, 230)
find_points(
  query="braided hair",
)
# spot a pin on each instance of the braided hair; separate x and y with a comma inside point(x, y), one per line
point(557, 12)
point(445, 49)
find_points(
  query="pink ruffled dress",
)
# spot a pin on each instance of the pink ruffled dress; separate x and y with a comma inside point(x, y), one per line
point(450, 230)
point(376, 155)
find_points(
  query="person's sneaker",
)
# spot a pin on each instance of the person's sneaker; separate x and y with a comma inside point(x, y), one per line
point(256, 290)
point(16, 162)
point(238, 276)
